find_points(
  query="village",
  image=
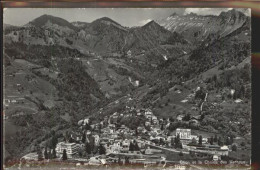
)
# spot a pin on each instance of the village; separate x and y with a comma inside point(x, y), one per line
point(108, 142)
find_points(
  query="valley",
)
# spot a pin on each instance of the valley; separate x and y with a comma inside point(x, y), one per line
point(57, 73)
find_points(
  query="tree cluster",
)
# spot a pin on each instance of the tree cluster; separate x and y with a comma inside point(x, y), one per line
point(134, 146)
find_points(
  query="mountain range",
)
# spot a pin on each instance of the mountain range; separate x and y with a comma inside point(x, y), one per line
point(64, 71)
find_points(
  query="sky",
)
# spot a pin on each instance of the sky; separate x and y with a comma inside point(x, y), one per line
point(125, 16)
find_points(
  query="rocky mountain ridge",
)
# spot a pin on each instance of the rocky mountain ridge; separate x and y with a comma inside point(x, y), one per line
point(197, 27)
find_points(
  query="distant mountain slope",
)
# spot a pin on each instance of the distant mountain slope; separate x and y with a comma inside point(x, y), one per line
point(61, 61)
point(223, 52)
point(44, 19)
point(236, 45)
point(8, 26)
point(106, 20)
point(153, 44)
point(146, 37)
point(104, 36)
point(196, 27)
point(79, 24)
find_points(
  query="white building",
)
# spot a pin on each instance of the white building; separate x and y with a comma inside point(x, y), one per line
point(71, 149)
point(224, 148)
point(125, 146)
point(180, 117)
point(76, 136)
point(47, 33)
point(184, 133)
point(96, 139)
point(115, 148)
point(129, 53)
point(148, 114)
point(136, 83)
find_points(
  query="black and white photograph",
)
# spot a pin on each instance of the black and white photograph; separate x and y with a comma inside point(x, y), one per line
point(127, 88)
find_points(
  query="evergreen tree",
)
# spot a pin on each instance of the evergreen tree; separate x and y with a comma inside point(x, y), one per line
point(194, 141)
point(172, 142)
point(84, 137)
point(127, 160)
point(46, 153)
point(243, 144)
point(87, 126)
point(71, 140)
point(88, 148)
point(80, 153)
point(177, 142)
point(171, 119)
point(200, 94)
point(67, 136)
point(227, 142)
point(180, 154)
point(131, 146)
point(162, 127)
point(161, 141)
point(119, 160)
point(211, 140)
point(54, 153)
point(215, 138)
point(102, 150)
point(39, 153)
point(202, 117)
point(180, 145)
point(220, 143)
point(168, 133)
point(186, 117)
point(64, 155)
point(49, 154)
point(234, 147)
point(91, 140)
point(200, 140)
point(231, 140)
point(95, 149)
point(99, 129)
point(54, 141)
point(136, 147)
